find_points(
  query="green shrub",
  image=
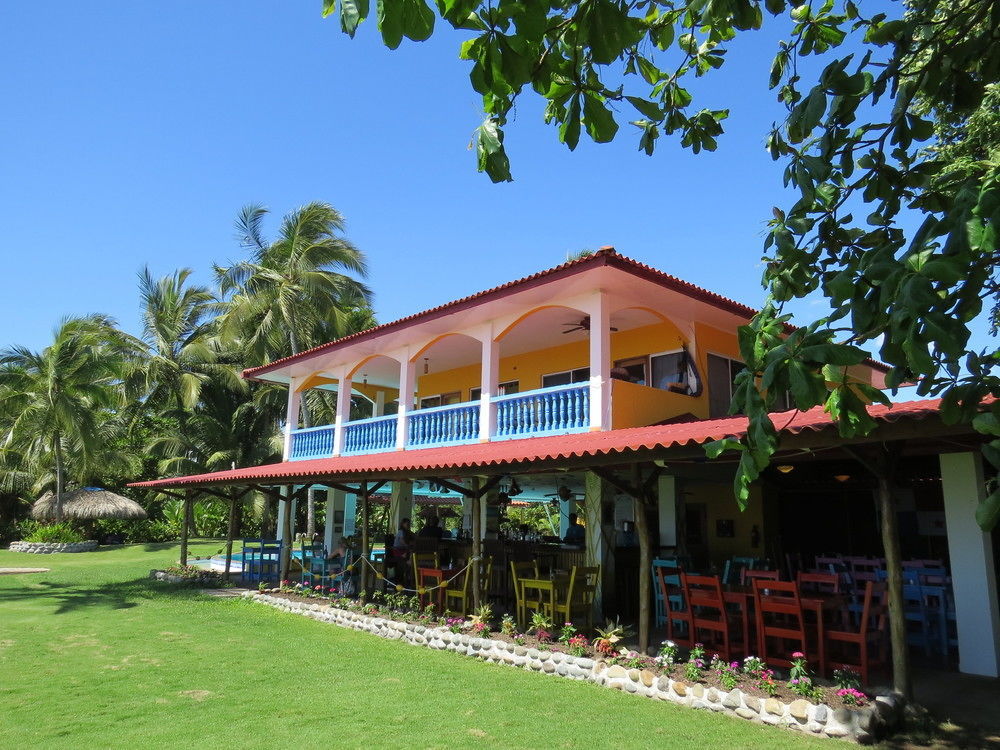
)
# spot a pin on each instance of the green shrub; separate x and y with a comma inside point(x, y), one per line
point(135, 532)
point(54, 533)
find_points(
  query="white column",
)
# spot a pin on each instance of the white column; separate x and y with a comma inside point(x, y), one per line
point(467, 514)
point(490, 381)
point(600, 363)
point(295, 511)
point(666, 503)
point(401, 503)
point(973, 575)
point(565, 508)
point(378, 408)
point(291, 415)
point(407, 376)
point(343, 411)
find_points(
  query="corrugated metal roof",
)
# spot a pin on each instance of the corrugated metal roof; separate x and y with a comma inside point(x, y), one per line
point(540, 449)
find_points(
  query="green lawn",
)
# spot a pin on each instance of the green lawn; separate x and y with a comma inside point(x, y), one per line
point(93, 654)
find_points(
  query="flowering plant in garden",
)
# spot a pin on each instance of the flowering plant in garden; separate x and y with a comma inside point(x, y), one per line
point(262, 586)
point(481, 628)
point(728, 673)
point(519, 639)
point(847, 678)
point(543, 635)
point(567, 631)
point(852, 697)
point(696, 663)
point(608, 637)
point(578, 644)
point(507, 625)
point(455, 624)
point(668, 653)
point(800, 681)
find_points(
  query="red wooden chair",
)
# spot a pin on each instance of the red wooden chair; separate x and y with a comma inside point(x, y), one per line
point(869, 639)
point(780, 626)
point(703, 595)
point(823, 583)
point(677, 611)
point(746, 576)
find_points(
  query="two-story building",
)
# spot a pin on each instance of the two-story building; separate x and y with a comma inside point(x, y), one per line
point(585, 379)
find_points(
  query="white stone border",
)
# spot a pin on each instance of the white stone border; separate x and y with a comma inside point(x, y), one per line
point(48, 548)
point(863, 725)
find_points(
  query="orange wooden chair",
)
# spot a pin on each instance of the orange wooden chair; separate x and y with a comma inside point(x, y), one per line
point(746, 576)
point(707, 606)
point(780, 625)
point(869, 639)
point(822, 583)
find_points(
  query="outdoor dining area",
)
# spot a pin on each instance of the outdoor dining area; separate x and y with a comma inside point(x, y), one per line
point(833, 610)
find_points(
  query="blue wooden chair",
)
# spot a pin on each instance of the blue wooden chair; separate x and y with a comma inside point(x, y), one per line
point(661, 610)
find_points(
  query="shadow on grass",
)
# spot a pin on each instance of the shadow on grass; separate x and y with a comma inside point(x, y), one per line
point(118, 595)
point(926, 731)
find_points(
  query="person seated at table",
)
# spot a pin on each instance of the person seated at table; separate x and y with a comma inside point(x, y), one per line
point(575, 533)
point(337, 552)
point(402, 543)
point(432, 529)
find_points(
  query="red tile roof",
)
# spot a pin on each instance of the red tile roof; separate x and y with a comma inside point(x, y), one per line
point(541, 449)
point(606, 256)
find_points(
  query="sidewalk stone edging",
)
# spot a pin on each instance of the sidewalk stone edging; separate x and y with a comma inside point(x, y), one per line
point(48, 548)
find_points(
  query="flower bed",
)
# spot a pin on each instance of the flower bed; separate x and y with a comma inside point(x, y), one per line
point(653, 678)
point(48, 548)
point(191, 574)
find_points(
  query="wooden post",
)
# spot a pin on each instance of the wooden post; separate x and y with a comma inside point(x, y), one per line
point(231, 530)
point(286, 534)
point(364, 540)
point(645, 559)
point(477, 545)
point(186, 514)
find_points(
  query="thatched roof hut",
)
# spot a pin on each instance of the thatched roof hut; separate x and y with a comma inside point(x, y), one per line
point(88, 503)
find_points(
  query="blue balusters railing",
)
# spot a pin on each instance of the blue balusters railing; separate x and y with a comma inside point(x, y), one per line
point(312, 442)
point(547, 411)
point(444, 425)
point(370, 435)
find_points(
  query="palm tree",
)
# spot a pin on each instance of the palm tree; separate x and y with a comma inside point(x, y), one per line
point(59, 400)
point(177, 326)
point(293, 288)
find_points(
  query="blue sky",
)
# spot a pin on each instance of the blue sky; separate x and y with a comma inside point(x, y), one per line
point(132, 133)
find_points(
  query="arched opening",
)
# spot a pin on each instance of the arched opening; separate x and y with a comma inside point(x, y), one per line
point(376, 380)
point(448, 371)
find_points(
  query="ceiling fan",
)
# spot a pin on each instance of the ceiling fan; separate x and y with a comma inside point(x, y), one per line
point(581, 325)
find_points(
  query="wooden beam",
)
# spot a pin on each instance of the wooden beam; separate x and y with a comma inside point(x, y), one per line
point(185, 515)
point(477, 544)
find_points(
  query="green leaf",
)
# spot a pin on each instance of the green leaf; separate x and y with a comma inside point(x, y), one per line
point(986, 423)
point(608, 29)
point(490, 153)
point(418, 20)
point(569, 131)
point(352, 13)
point(390, 21)
point(646, 107)
point(988, 512)
point(601, 125)
point(328, 7)
point(716, 448)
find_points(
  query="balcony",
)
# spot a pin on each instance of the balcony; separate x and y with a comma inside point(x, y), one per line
point(546, 411)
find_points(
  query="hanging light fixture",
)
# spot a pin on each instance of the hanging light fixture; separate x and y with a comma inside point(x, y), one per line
point(785, 468)
point(841, 477)
point(364, 379)
point(427, 365)
point(515, 489)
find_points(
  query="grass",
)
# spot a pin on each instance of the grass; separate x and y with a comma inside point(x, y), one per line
point(94, 654)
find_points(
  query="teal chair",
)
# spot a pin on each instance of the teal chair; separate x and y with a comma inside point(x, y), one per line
point(314, 564)
point(734, 567)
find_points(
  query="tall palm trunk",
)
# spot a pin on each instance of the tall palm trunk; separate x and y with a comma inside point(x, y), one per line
point(57, 445)
point(293, 342)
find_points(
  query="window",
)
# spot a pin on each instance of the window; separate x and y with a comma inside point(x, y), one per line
point(635, 367)
point(579, 375)
point(670, 371)
point(722, 373)
point(503, 389)
point(444, 399)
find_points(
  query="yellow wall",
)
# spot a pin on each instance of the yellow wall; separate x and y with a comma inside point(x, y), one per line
point(634, 405)
point(721, 504)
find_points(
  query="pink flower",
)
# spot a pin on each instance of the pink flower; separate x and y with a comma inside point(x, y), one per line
point(798, 655)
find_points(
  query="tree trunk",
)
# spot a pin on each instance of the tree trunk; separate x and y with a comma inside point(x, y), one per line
point(365, 541)
point(894, 587)
point(477, 545)
point(57, 446)
point(185, 514)
point(286, 533)
point(645, 561)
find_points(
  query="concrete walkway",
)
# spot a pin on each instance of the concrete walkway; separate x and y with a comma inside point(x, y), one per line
point(968, 706)
point(17, 571)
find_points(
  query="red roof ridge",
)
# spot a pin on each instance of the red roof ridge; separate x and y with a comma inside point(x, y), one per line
point(605, 256)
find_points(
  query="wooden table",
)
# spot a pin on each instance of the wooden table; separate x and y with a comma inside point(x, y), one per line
point(555, 586)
